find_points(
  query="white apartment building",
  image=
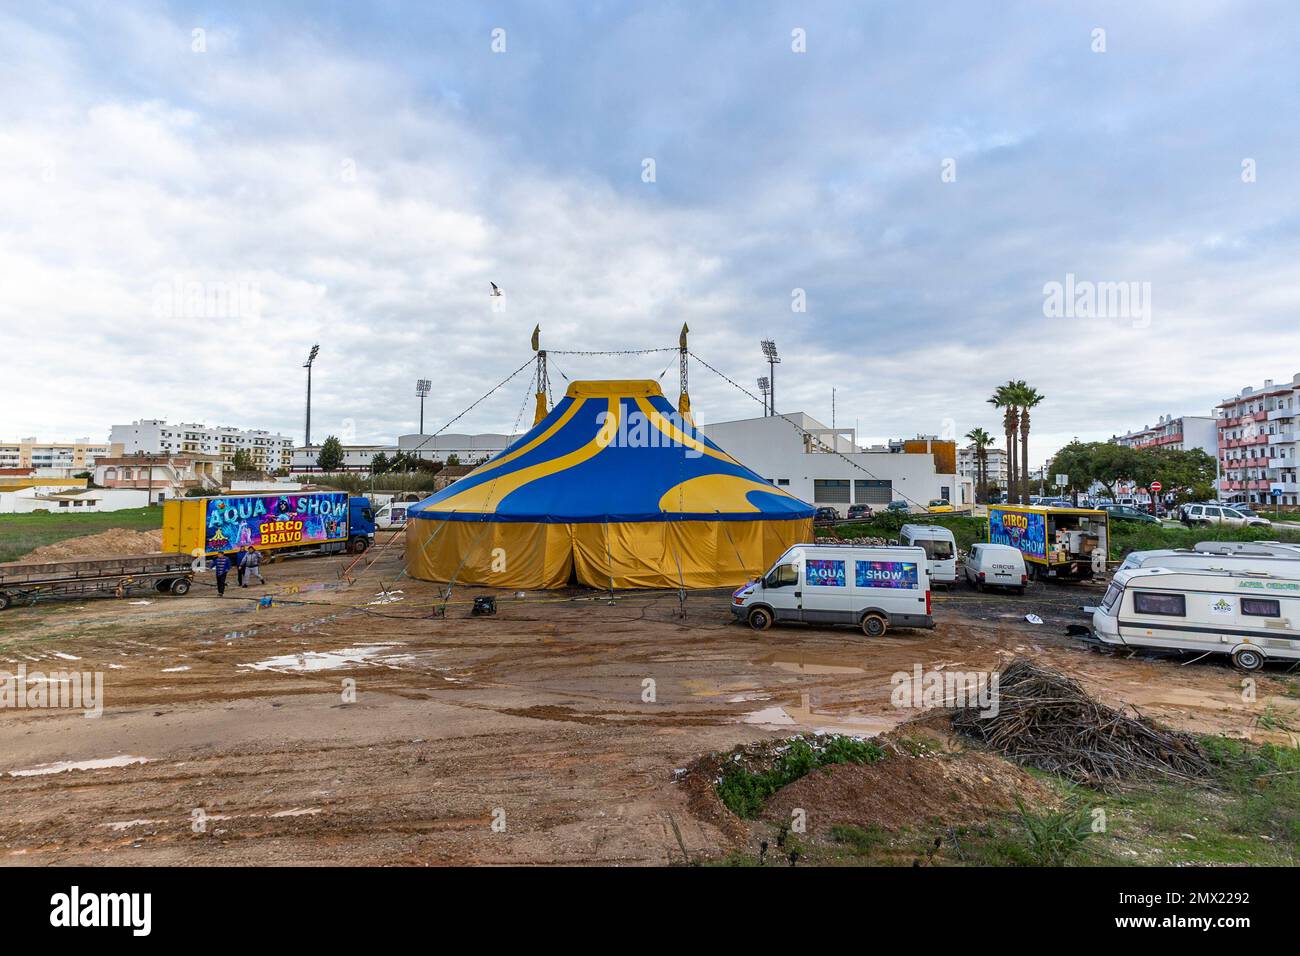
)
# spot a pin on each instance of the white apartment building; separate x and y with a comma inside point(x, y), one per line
point(1258, 443)
point(1182, 434)
point(996, 463)
point(152, 436)
point(55, 458)
point(802, 463)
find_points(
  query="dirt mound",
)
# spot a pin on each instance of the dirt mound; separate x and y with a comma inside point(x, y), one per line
point(107, 544)
point(915, 785)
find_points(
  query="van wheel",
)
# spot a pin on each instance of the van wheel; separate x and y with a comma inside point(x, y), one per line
point(874, 625)
point(1248, 659)
point(760, 619)
point(180, 586)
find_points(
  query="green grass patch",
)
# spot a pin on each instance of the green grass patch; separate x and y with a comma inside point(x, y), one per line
point(23, 533)
point(745, 790)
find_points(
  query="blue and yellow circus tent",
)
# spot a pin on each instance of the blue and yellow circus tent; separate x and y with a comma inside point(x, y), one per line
point(612, 489)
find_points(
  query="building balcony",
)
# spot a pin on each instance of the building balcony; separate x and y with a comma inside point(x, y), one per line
point(1279, 414)
point(1281, 462)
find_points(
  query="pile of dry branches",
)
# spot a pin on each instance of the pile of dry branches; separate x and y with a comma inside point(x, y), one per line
point(1046, 720)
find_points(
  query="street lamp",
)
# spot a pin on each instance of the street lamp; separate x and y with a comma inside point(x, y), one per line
point(422, 387)
point(307, 365)
point(773, 360)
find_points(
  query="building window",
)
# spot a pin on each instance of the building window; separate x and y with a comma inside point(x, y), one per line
point(873, 491)
point(831, 490)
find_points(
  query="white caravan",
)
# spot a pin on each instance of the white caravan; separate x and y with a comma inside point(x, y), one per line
point(1251, 617)
point(1254, 547)
point(1282, 565)
point(940, 549)
point(873, 588)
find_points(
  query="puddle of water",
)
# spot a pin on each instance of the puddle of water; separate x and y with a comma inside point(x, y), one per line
point(174, 670)
point(802, 715)
point(808, 664)
point(64, 765)
point(66, 657)
point(127, 824)
point(769, 717)
point(297, 812)
point(320, 660)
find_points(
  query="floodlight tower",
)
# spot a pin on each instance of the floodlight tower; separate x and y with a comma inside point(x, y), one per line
point(422, 387)
point(773, 360)
point(764, 386)
point(307, 365)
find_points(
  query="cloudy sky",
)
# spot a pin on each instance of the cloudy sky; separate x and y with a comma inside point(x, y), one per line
point(191, 198)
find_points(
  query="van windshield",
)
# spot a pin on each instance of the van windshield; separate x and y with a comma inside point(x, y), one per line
point(936, 550)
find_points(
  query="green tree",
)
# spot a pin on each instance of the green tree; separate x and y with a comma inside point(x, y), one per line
point(243, 460)
point(453, 459)
point(379, 464)
point(331, 455)
point(1025, 397)
point(1003, 398)
point(981, 440)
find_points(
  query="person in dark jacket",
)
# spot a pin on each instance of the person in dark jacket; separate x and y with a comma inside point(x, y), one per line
point(241, 565)
point(221, 565)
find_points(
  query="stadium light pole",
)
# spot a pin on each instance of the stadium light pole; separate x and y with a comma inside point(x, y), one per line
point(763, 386)
point(307, 365)
point(769, 352)
point(422, 387)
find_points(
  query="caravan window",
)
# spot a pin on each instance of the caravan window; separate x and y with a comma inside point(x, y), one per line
point(1261, 607)
point(1169, 605)
point(1112, 593)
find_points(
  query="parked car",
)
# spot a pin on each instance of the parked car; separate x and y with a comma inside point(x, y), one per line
point(938, 506)
point(899, 506)
point(1125, 513)
point(995, 565)
point(860, 512)
point(826, 516)
point(1220, 514)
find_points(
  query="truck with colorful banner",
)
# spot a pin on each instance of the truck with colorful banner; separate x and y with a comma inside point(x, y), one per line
point(323, 522)
point(1056, 542)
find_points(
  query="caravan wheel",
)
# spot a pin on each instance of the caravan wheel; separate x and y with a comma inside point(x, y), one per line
point(1248, 659)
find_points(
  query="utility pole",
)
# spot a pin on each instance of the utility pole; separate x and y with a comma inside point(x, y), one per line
point(310, 359)
point(422, 387)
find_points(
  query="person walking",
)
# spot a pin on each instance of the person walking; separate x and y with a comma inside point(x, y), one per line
point(241, 564)
point(253, 566)
point(221, 565)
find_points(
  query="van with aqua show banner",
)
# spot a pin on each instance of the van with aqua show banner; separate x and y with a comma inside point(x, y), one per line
point(868, 587)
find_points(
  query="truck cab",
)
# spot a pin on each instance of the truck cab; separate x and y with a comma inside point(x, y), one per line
point(361, 525)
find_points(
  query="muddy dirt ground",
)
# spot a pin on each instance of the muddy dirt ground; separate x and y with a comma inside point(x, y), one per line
point(228, 736)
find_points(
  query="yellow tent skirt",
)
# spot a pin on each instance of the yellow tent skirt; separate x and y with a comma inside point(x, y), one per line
point(625, 554)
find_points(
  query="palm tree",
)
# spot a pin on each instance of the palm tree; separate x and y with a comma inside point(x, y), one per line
point(980, 441)
point(1025, 397)
point(1002, 398)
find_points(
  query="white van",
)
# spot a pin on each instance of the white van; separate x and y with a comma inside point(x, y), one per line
point(392, 515)
point(873, 588)
point(996, 565)
point(1280, 565)
point(940, 549)
point(1252, 617)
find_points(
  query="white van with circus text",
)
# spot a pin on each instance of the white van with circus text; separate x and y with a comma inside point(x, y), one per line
point(871, 588)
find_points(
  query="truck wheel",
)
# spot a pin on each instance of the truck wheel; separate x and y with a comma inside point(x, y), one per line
point(874, 625)
point(180, 586)
point(6, 600)
point(760, 619)
point(358, 545)
point(163, 585)
point(1248, 659)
